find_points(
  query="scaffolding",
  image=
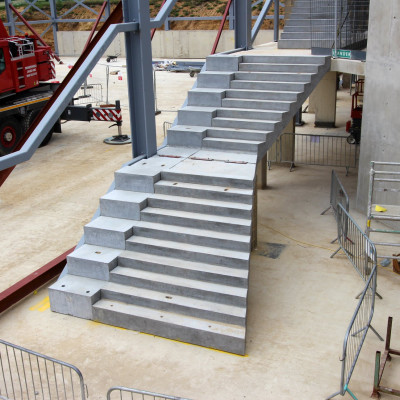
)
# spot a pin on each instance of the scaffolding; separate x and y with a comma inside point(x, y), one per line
point(383, 215)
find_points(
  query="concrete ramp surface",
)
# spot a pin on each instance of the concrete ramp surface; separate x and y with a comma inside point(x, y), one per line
point(170, 252)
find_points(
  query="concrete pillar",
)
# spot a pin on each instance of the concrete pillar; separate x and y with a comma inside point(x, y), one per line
point(284, 147)
point(254, 221)
point(261, 173)
point(323, 101)
point(346, 81)
point(380, 122)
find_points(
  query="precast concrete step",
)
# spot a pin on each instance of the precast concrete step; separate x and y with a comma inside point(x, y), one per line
point(108, 232)
point(273, 105)
point(273, 76)
point(165, 301)
point(208, 291)
point(285, 59)
point(214, 79)
point(205, 97)
point(294, 44)
point(261, 95)
point(94, 262)
point(205, 206)
point(296, 35)
point(260, 125)
point(233, 145)
point(272, 67)
point(298, 29)
point(209, 255)
point(306, 22)
point(239, 134)
point(320, 14)
point(270, 86)
point(244, 113)
point(211, 176)
point(184, 268)
point(201, 237)
point(226, 337)
point(122, 204)
point(196, 115)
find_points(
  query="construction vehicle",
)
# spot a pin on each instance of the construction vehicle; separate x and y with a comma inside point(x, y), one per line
point(354, 126)
point(27, 73)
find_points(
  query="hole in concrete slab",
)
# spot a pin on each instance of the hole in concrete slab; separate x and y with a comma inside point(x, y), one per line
point(161, 316)
point(87, 291)
point(270, 250)
point(175, 183)
point(98, 252)
point(168, 297)
point(226, 189)
point(111, 305)
point(144, 163)
point(209, 326)
point(163, 165)
point(62, 285)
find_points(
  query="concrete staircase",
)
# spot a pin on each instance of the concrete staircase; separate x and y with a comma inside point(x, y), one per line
point(170, 252)
point(303, 22)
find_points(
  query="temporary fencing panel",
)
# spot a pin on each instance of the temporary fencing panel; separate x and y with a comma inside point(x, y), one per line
point(89, 94)
point(122, 393)
point(357, 331)
point(338, 195)
point(25, 374)
point(306, 149)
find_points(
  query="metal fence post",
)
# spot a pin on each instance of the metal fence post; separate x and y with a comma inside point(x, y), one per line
point(242, 24)
point(140, 79)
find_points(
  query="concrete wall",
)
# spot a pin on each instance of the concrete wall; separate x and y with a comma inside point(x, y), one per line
point(380, 134)
point(166, 44)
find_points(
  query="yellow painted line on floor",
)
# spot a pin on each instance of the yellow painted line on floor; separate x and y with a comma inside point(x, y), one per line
point(97, 323)
point(43, 305)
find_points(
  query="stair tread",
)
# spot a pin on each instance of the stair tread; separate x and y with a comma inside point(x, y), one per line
point(200, 186)
point(189, 302)
point(220, 139)
point(199, 201)
point(217, 128)
point(199, 216)
point(274, 82)
point(173, 318)
point(191, 231)
point(245, 120)
point(184, 264)
point(178, 281)
point(233, 110)
point(260, 91)
point(240, 255)
point(257, 100)
point(274, 64)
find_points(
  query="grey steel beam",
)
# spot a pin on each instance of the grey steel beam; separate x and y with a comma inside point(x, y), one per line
point(162, 14)
point(140, 79)
point(10, 18)
point(242, 24)
point(260, 19)
point(53, 13)
point(276, 20)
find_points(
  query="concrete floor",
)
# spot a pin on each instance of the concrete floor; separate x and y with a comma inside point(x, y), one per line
point(300, 300)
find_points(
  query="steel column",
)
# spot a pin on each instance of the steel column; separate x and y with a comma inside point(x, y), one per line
point(243, 24)
point(54, 25)
point(276, 20)
point(140, 79)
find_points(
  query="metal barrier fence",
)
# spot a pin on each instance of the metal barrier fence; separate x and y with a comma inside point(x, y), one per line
point(89, 93)
point(339, 24)
point(306, 149)
point(166, 126)
point(122, 393)
point(357, 330)
point(338, 195)
point(25, 374)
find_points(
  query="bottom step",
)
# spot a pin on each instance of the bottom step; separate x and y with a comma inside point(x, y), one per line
point(217, 335)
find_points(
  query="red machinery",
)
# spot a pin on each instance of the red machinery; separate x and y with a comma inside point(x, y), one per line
point(354, 126)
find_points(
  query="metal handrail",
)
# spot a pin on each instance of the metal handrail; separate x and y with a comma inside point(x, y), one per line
point(22, 375)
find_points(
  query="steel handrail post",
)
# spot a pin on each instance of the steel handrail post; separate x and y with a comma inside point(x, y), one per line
point(276, 20)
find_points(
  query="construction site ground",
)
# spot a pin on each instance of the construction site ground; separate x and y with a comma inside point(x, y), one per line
point(300, 300)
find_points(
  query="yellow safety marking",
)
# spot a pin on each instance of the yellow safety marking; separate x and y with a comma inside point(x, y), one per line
point(369, 223)
point(42, 305)
point(112, 326)
point(24, 104)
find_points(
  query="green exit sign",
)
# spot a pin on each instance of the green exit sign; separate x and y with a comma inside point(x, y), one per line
point(341, 53)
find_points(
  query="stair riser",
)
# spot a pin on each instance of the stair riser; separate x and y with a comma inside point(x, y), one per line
point(188, 255)
point(272, 77)
point(171, 331)
point(207, 180)
point(281, 86)
point(318, 15)
point(294, 44)
point(279, 67)
point(239, 124)
point(179, 290)
point(248, 114)
point(191, 239)
point(204, 194)
point(201, 224)
point(204, 276)
point(237, 134)
point(272, 105)
point(231, 146)
point(260, 95)
point(119, 209)
point(106, 238)
point(195, 118)
point(284, 59)
point(199, 208)
point(307, 22)
point(296, 35)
